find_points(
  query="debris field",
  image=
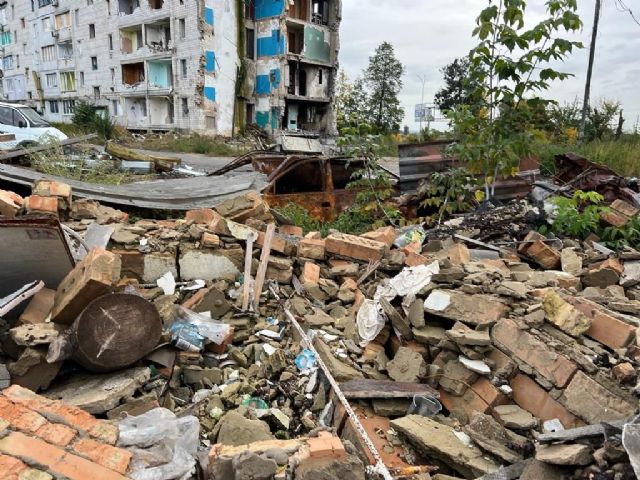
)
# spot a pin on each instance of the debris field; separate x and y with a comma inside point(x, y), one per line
point(221, 346)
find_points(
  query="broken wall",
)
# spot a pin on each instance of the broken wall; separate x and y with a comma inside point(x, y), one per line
point(317, 44)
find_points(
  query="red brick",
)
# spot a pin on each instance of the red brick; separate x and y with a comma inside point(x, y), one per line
point(20, 417)
point(57, 460)
point(310, 273)
point(56, 433)
point(9, 205)
point(11, 467)
point(614, 218)
point(479, 397)
point(210, 240)
point(39, 307)
point(605, 328)
point(279, 243)
point(325, 445)
point(50, 188)
point(532, 351)
point(413, 259)
point(312, 248)
point(94, 276)
point(355, 247)
point(113, 458)
point(624, 208)
point(202, 215)
point(531, 237)
point(292, 230)
point(533, 398)
point(386, 235)
point(544, 255)
point(38, 204)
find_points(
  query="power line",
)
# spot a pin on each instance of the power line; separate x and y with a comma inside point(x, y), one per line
point(623, 8)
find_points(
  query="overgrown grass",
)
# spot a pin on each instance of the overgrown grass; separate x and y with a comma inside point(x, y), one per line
point(193, 143)
point(351, 221)
point(79, 167)
point(623, 156)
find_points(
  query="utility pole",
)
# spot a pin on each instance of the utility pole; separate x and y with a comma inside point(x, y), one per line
point(587, 88)
point(423, 78)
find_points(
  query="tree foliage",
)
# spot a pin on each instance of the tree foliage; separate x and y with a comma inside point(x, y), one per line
point(510, 66)
point(383, 79)
point(459, 86)
point(351, 102)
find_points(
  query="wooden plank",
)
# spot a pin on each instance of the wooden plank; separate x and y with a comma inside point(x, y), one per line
point(161, 164)
point(248, 257)
point(574, 434)
point(364, 389)
point(264, 263)
point(28, 151)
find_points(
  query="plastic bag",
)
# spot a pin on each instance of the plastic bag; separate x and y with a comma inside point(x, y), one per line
point(212, 330)
point(370, 320)
point(163, 446)
point(186, 337)
point(411, 234)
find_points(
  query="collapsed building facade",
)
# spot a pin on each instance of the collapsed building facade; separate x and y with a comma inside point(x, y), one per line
point(205, 66)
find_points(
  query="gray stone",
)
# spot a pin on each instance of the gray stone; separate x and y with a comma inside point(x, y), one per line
point(512, 416)
point(631, 274)
point(456, 378)
point(416, 314)
point(391, 407)
point(204, 265)
point(494, 438)
point(349, 467)
point(469, 337)
point(251, 466)
point(536, 470)
point(340, 370)
point(571, 261)
point(470, 309)
point(100, 393)
point(429, 335)
point(157, 264)
point(5, 378)
point(234, 429)
point(571, 454)
point(318, 319)
point(440, 442)
point(407, 366)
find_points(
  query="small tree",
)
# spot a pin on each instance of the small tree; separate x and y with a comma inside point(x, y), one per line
point(510, 66)
point(383, 78)
point(459, 86)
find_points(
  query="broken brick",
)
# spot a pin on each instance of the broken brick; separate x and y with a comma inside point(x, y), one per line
point(605, 328)
point(532, 397)
point(544, 255)
point(386, 235)
point(529, 349)
point(201, 216)
point(352, 246)
point(113, 458)
point(291, 230)
point(94, 276)
point(44, 205)
point(39, 307)
point(312, 248)
point(310, 273)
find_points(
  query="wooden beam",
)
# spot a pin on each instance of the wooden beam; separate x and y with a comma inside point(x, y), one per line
point(248, 257)
point(264, 262)
point(365, 389)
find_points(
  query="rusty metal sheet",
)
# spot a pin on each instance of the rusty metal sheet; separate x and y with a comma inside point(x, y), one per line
point(579, 173)
point(32, 249)
point(418, 161)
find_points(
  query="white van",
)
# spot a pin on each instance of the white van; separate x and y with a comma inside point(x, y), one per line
point(28, 127)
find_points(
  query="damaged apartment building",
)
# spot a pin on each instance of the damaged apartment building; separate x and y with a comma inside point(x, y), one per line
point(205, 66)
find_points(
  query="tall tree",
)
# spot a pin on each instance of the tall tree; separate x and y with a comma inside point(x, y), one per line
point(383, 79)
point(458, 87)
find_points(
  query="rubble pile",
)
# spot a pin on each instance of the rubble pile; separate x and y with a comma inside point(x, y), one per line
point(476, 349)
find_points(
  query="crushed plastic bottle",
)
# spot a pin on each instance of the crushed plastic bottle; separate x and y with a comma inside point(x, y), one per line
point(306, 360)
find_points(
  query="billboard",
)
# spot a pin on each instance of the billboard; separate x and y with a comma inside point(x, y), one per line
point(425, 112)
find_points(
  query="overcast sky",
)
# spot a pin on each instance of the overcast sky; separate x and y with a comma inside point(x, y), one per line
point(428, 34)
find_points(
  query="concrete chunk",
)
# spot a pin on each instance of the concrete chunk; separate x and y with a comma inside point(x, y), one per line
point(470, 309)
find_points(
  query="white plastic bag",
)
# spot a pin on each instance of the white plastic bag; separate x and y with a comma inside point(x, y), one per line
point(164, 446)
point(212, 330)
point(370, 320)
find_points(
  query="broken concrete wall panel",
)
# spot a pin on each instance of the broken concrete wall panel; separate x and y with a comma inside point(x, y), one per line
point(317, 43)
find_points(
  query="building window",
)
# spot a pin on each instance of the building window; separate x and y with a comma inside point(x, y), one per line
point(44, 3)
point(110, 42)
point(183, 68)
point(185, 106)
point(63, 20)
point(96, 92)
point(5, 38)
point(53, 106)
point(23, 23)
point(7, 62)
point(108, 7)
point(46, 24)
point(76, 16)
point(113, 76)
point(48, 53)
point(94, 63)
point(67, 81)
point(51, 80)
point(68, 106)
point(182, 28)
point(320, 76)
point(82, 79)
point(89, 2)
point(250, 43)
point(116, 108)
point(92, 30)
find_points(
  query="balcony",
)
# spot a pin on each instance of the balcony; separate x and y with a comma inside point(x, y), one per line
point(160, 76)
point(131, 12)
point(62, 34)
